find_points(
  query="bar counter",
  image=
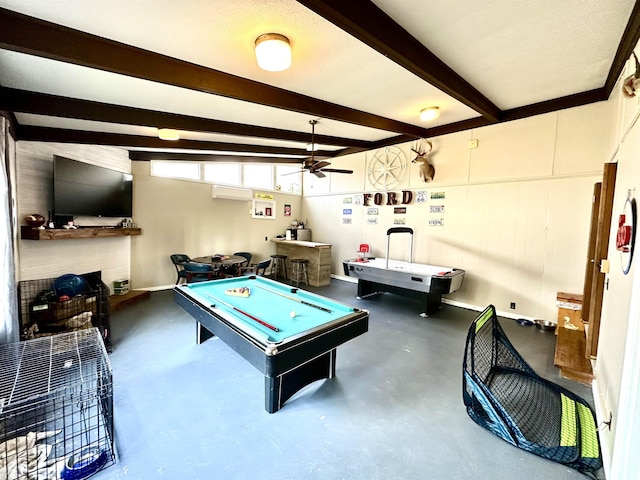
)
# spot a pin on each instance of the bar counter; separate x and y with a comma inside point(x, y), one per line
point(318, 254)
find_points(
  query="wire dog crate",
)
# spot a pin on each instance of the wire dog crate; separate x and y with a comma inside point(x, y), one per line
point(56, 407)
point(43, 313)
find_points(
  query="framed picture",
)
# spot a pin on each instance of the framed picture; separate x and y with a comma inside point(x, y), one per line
point(267, 211)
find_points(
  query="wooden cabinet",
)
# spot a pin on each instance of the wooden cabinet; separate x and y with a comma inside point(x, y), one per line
point(570, 354)
point(570, 310)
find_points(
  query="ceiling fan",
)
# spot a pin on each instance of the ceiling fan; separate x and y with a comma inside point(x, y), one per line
point(317, 167)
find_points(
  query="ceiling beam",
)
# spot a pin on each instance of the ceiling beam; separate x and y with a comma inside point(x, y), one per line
point(628, 42)
point(25, 34)
point(553, 105)
point(44, 134)
point(56, 106)
point(59, 135)
point(365, 21)
point(12, 120)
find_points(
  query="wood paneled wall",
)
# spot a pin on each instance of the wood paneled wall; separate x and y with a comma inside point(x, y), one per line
point(44, 259)
point(516, 208)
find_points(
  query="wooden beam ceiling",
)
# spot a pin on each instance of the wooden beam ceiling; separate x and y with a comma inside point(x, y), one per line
point(358, 17)
point(44, 134)
point(57, 106)
point(629, 40)
point(33, 36)
point(363, 20)
point(553, 105)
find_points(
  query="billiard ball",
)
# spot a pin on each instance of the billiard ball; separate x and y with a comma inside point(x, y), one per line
point(293, 313)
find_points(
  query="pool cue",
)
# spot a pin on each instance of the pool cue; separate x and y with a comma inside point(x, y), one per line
point(261, 322)
point(324, 309)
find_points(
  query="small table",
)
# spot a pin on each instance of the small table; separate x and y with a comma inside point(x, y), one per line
point(301, 349)
point(220, 261)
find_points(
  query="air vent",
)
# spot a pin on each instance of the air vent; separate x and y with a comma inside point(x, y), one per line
point(231, 193)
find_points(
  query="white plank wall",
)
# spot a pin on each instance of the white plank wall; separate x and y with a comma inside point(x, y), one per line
point(517, 208)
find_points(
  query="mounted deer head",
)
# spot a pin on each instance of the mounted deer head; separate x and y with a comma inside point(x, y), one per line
point(423, 149)
point(632, 82)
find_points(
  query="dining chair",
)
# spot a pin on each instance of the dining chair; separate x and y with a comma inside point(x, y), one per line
point(246, 255)
point(198, 272)
point(258, 269)
point(179, 259)
point(235, 270)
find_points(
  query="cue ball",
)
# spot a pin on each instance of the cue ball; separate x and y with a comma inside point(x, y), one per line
point(293, 313)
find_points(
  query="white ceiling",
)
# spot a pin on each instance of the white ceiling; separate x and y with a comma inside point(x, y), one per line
point(514, 52)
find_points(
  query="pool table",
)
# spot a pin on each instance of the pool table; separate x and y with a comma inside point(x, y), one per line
point(289, 334)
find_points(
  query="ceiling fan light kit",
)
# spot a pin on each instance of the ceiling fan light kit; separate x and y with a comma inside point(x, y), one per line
point(273, 52)
point(429, 113)
point(168, 134)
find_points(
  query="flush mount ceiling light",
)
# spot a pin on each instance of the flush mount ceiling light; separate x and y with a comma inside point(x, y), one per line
point(273, 52)
point(430, 113)
point(168, 134)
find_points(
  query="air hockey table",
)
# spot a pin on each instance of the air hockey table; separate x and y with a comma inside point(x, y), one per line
point(429, 282)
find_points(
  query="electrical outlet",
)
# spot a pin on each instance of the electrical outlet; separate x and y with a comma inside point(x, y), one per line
point(473, 143)
point(512, 306)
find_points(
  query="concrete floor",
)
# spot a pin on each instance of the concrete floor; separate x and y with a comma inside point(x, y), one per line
point(394, 410)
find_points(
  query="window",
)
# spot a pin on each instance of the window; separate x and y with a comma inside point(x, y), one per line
point(288, 178)
point(258, 176)
point(188, 170)
point(262, 176)
point(228, 173)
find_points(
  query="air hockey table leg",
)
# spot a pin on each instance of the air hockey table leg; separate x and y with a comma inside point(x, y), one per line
point(433, 302)
point(366, 289)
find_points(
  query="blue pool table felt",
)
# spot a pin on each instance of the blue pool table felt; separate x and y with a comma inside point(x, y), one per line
point(268, 303)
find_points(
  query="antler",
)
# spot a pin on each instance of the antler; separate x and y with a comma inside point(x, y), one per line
point(419, 151)
point(423, 148)
point(631, 82)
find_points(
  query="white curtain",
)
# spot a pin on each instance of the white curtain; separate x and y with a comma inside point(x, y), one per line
point(9, 329)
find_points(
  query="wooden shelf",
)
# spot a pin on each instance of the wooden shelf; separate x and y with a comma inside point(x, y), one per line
point(263, 209)
point(28, 233)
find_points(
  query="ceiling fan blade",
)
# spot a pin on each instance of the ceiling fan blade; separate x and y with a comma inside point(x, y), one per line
point(292, 173)
point(319, 165)
point(318, 173)
point(336, 170)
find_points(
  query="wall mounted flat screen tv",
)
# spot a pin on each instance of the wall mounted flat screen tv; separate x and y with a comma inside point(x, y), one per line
point(83, 189)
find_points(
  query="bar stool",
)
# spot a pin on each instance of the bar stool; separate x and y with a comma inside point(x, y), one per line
point(299, 270)
point(279, 266)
